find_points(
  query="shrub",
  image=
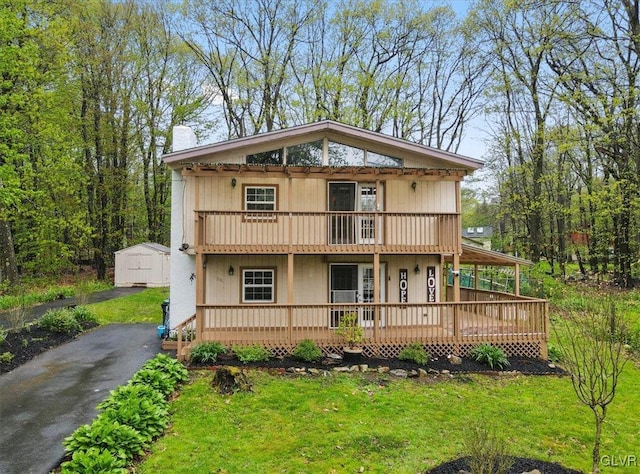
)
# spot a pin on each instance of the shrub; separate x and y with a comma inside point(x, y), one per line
point(94, 461)
point(206, 352)
point(3, 335)
point(142, 414)
point(415, 352)
point(60, 321)
point(154, 378)
point(554, 353)
point(83, 315)
point(124, 393)
point(254, 353)
point(490, 355)
point(307, 350)
point(169, 366)
point(6, 357)
point(122, 441)
point(487, 453)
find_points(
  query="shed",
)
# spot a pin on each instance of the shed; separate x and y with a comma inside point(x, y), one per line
point(145, 264)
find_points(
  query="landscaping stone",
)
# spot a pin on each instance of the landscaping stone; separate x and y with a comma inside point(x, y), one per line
point(422, 373)
point(400, 373)
point(454, 359)
point(342, 369)
point(383, 370)
point(364, 367)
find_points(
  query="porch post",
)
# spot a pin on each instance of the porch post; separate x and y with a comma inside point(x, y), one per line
point(516, 275)
point(376, 296)
point(201, 270)
point(456, 279)
point(290, 295)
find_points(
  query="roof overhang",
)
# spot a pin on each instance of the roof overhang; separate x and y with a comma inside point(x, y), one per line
point(335, 131)
point(473, 255)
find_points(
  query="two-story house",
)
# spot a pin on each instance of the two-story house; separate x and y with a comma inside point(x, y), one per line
point(274, 237)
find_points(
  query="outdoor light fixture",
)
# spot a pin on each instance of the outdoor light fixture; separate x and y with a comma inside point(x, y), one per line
point(231, 270)
point(413, 185)
point(417, 269)
point(183, 247)
point(234, 181)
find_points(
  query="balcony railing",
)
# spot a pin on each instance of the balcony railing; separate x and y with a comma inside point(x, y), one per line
point(326, 232)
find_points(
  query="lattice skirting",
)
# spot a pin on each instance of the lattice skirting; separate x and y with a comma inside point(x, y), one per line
point(533, 349)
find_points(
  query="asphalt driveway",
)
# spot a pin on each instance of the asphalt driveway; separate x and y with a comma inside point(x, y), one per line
point(46, 399)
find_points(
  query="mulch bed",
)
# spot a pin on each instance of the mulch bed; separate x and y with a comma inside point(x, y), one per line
point(31, 341)
point(519, 466)
point(522, 365)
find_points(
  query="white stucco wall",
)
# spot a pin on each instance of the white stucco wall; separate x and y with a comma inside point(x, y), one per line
point(182, 292)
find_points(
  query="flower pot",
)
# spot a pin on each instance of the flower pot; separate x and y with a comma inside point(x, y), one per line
point(352, 355)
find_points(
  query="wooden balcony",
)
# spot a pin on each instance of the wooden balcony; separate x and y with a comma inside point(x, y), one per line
point(519, 325)
point(326, 232)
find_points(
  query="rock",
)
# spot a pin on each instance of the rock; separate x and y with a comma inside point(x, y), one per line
point(354, 368)
point(413, 374)
point(552, 366)
point(422, 373)
point(364, 367)
point(341, 369)
point(383, 370)
point(535, 471)
point(454, 359)
point(313, 371)
point(400, 373)
point(433, 371)
point(332, 359)
point(445, 372)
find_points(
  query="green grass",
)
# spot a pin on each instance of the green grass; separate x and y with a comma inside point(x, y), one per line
point(32, 295)
point(142, 307)
point(341, 423)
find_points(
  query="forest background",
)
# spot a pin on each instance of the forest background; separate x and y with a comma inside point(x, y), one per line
point(89, 93)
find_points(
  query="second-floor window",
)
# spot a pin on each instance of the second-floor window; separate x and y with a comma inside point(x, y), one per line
point(261, 200)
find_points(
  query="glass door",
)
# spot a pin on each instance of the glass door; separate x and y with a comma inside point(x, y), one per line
point(342, 201)
point(369, 202)
point(353, 283)
point(366, 294)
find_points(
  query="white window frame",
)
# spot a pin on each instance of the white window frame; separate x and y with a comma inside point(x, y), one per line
point(272, 285)
point(260, 215)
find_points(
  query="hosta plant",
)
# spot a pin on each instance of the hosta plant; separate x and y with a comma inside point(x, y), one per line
point(489, 354)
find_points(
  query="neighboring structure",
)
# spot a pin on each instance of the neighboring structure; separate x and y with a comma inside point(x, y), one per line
point(142, 265)
point(276, 236)
point(479, 235)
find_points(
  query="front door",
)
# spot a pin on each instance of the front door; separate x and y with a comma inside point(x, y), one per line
point(353, 283)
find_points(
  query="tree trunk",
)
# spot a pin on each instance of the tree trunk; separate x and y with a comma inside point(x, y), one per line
point(8, 265)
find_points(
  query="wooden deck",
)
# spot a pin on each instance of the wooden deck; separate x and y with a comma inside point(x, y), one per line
point(518, 325)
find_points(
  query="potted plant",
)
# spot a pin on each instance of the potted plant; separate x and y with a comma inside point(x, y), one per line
point(352, 333)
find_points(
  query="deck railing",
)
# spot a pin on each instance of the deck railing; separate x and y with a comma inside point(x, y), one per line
point(339, 232)
point(385, 323)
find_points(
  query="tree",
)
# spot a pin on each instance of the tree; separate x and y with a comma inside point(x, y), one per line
point(593, 352)
point(38, 182)
point(597, 62)
point(518, 38)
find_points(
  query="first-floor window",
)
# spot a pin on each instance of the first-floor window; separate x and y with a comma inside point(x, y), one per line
point(258, 285)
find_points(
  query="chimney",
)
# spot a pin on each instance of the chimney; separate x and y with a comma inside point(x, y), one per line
point(183, 138)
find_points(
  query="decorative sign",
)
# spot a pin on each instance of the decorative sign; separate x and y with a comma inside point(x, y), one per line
point(431, 284)
point(404, 285)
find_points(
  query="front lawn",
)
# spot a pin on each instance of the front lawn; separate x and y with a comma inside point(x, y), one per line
point(345, 423)
point(143, 307)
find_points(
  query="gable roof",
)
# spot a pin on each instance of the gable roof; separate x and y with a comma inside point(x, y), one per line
point(335, 131)
point(150, 245)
